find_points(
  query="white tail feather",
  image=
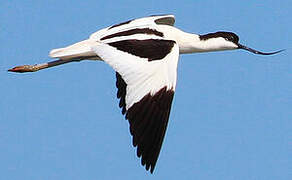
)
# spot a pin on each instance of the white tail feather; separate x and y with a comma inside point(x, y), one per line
point(77, 50)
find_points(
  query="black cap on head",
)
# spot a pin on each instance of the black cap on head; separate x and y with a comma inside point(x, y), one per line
point(229, 36)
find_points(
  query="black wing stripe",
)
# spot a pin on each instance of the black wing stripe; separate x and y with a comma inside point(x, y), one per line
point(152, 49)
point(148, 120)
point(142, 119)
point(121, 94)
point(148, 141)
point(156, 148)
point(134, 31)
point(144, 135)
point(138, 127)
point(158, 133)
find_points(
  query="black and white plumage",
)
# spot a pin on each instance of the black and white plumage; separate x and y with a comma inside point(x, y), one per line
point(146, 77)
point(144, 53)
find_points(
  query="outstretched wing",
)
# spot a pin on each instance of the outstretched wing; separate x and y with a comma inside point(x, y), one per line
point(146, 80)
point(142, 26)
point(166, 19)
point(134, 24)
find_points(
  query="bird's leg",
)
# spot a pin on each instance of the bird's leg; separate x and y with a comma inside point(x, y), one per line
point(36, 67)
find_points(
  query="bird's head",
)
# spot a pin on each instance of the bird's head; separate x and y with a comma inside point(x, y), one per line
point(228, 41)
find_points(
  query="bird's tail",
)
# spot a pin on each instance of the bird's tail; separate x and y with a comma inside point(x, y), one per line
point(79, 51)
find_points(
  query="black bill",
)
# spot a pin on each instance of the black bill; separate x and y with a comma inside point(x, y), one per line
point(257, 52)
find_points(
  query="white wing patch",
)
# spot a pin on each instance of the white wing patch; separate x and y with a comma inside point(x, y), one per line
point(146, 80)
point(141, 76)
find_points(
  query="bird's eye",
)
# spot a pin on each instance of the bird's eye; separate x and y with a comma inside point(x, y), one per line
point(230, 38)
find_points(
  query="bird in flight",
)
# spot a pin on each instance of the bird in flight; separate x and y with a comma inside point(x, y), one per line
point(144, 52)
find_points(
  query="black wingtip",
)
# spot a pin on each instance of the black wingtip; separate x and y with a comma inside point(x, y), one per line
point(152, 170)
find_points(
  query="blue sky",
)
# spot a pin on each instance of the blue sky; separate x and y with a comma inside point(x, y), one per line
point(231, 116)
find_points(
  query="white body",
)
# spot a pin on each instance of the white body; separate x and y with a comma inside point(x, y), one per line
point(187, 42)
point(148, 75)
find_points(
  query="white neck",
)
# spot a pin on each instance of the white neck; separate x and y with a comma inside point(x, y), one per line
point(191, 43)
point(214, 44)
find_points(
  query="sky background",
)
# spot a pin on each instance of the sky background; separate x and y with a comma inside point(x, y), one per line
point(231, 116)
